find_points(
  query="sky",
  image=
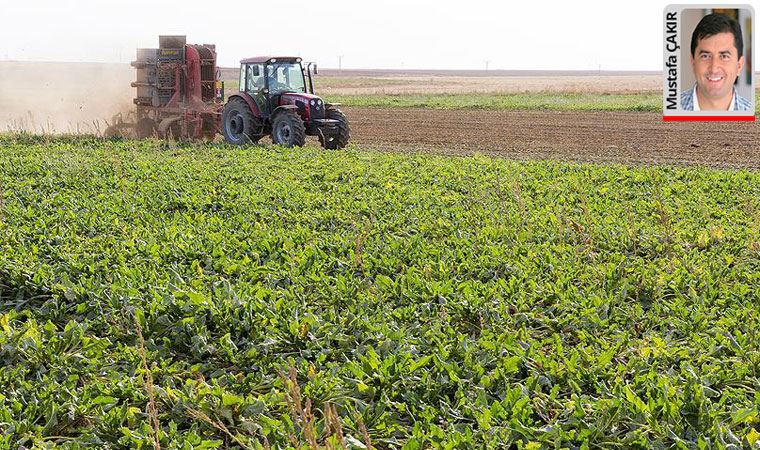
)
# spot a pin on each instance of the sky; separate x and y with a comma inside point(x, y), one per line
point(390, 34)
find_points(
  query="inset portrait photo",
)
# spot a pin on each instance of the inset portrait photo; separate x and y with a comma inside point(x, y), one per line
point(708, 73)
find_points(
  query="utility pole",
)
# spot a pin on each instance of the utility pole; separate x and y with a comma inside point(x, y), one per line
point(487, 62)
point(340, 62)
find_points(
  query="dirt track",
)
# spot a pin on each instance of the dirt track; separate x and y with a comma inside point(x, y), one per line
point(623, 137)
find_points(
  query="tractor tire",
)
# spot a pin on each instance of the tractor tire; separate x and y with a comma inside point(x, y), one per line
point(239, 125)
point(339, 140)
point(288, 129)
point(146, 128)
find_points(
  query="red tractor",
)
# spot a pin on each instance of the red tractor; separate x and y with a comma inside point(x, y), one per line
point(178, 92)
point(274, 100)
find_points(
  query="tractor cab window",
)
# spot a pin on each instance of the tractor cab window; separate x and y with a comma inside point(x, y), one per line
point(254, 77)
point(285, 77)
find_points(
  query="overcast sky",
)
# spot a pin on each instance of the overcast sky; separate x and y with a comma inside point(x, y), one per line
point(424, 34)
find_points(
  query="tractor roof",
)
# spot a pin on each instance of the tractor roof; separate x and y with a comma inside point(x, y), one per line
point(270, 59)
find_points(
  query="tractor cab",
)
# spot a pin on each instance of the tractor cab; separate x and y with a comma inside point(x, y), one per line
point(274, 99)
point(266, 79)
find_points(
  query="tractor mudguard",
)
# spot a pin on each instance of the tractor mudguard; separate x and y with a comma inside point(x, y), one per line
point(249, 100)
point(283, 107)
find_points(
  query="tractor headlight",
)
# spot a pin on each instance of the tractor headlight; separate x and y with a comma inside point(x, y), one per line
point(313, 103)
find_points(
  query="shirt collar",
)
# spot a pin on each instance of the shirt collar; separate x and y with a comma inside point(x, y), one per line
point(696, 101)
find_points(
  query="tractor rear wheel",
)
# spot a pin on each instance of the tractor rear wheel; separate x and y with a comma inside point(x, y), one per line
point(288, 129)
point(339, 140)
point(239, 125)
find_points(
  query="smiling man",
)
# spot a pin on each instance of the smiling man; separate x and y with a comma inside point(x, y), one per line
point(717, 58)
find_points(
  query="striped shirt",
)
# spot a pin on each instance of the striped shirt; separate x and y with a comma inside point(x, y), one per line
point(689, 101)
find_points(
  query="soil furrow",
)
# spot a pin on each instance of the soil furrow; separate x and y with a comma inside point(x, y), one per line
point(624, 137)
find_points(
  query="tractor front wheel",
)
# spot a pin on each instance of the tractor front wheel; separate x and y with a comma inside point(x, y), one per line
point(340, 139)
point(239, 125)
point(288, 129)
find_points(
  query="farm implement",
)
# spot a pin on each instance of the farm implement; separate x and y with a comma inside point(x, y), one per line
point(178, 92)
point(180, 96)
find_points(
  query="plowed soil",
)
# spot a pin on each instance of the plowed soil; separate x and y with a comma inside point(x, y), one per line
point(611, 137)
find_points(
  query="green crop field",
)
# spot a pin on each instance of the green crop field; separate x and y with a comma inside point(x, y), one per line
point(553, 101)
point(193, 297)
point(547, 101)
point(550, 101)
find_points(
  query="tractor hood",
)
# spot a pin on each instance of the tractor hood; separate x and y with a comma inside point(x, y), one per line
point(309, 106)
point(289, 98)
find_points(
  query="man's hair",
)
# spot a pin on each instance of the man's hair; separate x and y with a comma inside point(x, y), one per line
point(713, 24)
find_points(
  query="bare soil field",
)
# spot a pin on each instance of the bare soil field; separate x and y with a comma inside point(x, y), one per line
point(510, 85)
point(610, 137)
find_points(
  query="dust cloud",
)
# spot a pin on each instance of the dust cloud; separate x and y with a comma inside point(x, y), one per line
point(55, 98)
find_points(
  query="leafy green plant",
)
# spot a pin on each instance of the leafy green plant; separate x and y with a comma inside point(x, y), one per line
point(414, 301)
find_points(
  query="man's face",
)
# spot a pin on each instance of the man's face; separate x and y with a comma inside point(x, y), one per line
point(716, 65)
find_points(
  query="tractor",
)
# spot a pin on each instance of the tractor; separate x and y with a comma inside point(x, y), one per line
point(274, 100)
point(179, 94)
